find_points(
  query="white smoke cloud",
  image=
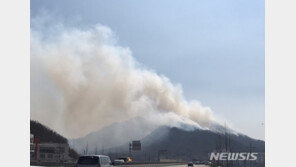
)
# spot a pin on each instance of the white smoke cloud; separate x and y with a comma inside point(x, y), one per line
point(82, 80)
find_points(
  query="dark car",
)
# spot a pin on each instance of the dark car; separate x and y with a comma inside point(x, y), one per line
point(94, 161)
point(190, 164)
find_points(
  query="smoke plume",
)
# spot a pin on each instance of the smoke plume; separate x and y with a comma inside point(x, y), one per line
point(82, 80)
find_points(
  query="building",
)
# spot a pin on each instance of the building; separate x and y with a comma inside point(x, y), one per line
point(53, 152)
point(49, 152)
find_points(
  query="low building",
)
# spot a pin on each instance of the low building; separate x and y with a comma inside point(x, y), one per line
point(50, 152)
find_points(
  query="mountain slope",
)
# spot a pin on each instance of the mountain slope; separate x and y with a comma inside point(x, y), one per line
point(184, 144)
point(114, 135)
point(44, 134)
point(175, 143)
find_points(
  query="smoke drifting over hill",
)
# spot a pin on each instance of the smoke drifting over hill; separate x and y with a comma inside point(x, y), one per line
point(82, 80)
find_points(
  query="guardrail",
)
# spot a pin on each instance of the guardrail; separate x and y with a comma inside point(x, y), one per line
point(134, 164)
point(150, 164)
point(65, 164)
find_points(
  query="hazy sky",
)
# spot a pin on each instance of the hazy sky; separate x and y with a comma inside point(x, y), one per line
point(213, 48)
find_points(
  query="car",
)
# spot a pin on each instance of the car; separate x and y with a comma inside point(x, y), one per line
point(190, 164)
point(208, 163)
point(94, 161)
point(126, 159)
point(118, 161)
point(197, 162)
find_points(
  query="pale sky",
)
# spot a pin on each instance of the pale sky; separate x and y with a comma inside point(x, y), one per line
point(213, 48)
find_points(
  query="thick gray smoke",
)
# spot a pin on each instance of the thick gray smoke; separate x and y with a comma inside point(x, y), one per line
point(82, 80)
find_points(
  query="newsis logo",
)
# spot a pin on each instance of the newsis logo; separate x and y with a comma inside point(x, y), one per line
point(234, 156)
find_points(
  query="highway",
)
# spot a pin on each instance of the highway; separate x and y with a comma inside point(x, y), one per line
point(154, 165)
point(141, 165)
point(186, 166)
point(162, 165)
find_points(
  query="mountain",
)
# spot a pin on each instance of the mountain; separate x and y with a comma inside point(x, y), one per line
point(114, 135)
point(164, 142)
point(45, 134)
point(177, 143)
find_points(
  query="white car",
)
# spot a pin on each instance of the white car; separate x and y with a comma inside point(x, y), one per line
point(94, 161)
point(118, 162)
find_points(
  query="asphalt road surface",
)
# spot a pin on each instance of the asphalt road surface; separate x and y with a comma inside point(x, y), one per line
point(186, 166)
point(155, 166)
point(164, 166)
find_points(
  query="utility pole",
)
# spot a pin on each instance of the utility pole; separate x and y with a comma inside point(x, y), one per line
point(130, 149)
point(96, 150)
point(86, 149)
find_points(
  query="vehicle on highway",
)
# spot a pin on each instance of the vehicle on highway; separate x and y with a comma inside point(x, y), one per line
point(208, 163)
point(94, 161)
point(118, 162)
point(190, 164)
point(126, 159)
point(197, 162)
